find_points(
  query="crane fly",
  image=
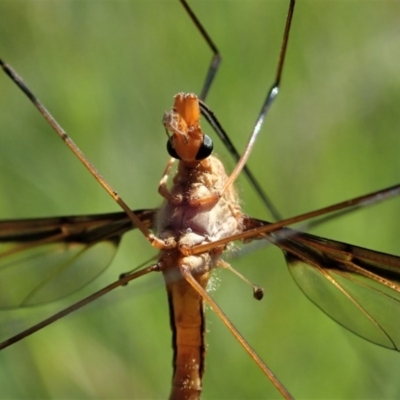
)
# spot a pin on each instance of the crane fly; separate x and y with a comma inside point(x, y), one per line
point(288, 237)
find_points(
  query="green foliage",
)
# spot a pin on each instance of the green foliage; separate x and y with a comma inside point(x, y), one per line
point(107, 71)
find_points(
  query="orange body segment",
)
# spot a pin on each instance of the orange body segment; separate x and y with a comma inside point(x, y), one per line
point(183, 122)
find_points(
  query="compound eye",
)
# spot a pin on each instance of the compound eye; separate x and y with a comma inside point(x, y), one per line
point(205, 149)
point(171, 150)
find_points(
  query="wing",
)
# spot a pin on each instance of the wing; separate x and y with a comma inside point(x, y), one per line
point(44, 259)
point(357, 287)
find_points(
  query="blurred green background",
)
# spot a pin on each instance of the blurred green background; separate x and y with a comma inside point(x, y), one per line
point(107, 71)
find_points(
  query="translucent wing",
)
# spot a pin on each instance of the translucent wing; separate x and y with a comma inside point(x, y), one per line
point(48, 258)
point(358, 288)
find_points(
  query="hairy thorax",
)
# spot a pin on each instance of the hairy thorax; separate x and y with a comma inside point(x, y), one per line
point(189, 221)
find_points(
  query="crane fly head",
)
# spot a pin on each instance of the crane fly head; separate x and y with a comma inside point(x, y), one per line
point(187, 143)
